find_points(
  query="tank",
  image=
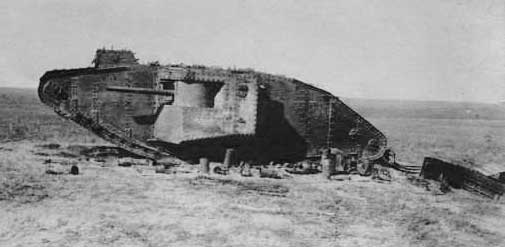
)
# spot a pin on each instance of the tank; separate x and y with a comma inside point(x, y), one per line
point(192, 111)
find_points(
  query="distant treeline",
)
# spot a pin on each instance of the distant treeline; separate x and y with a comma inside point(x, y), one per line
point(374, 108)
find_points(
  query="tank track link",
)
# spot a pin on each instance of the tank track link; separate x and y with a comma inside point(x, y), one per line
point(107, 132)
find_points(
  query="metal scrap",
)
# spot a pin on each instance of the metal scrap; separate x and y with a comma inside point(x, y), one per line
point(459, 175)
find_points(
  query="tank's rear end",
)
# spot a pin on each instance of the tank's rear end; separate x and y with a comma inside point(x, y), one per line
point(301, 120)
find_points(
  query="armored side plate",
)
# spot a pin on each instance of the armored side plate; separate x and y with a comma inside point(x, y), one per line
point(194, 111)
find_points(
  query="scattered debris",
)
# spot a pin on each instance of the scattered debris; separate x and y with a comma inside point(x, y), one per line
point(341, 177)
point(330, 161)
point(164, 170)
point(128, 161)
point(99, 160)
point(220, 170)
point(204, 165)
point(102, 151)
point(74, 170)
point(94, 153)
point(59, 167)
point(420, 182)
point(248, 187)
point(167, 161)
point(405, 167)
point(275, 172)
point(269, 173)
point(303, 168)
point(170, 168)
point(49, 146)
point(61, 161)
point(486, 183)
point(54, 172)
point(364, 168)
point(381, 173)
point(245, 169)
point(459, 175)
point(77, 149)
point(229, 158)
point(62, 154)
point(125, 164)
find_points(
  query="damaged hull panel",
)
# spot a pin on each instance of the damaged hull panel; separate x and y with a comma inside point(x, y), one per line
point(193, 111)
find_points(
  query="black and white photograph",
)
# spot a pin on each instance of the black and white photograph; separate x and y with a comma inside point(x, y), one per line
point(252, 123)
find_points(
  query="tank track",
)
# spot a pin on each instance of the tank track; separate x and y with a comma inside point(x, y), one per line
point(111, 134)
point(107, 132)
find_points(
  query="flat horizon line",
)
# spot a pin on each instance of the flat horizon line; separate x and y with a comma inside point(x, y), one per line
point(352, 98)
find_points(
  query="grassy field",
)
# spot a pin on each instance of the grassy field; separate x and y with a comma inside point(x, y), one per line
point(108, 205)
point(478, 141)
point(471, 131)
point(23, 117)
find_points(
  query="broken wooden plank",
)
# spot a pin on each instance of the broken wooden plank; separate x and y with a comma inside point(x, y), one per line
point(459, 175)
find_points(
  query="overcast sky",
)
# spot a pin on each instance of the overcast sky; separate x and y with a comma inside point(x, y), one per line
point(405, 49)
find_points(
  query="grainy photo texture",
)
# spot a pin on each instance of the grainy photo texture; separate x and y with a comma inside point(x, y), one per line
point(252, 123)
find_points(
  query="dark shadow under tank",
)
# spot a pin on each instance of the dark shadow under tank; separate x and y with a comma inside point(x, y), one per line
point(189, 111)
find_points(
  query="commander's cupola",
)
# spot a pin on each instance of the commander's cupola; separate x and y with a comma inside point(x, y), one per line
point(114, 58)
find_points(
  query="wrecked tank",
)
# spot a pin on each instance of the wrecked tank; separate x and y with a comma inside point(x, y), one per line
point(192, 111)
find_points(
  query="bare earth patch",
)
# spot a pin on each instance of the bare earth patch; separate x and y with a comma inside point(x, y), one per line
point(108, 205)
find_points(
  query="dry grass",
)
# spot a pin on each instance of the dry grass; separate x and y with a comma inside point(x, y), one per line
point(480, 141)
point(115, 206)
point(109, 205)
